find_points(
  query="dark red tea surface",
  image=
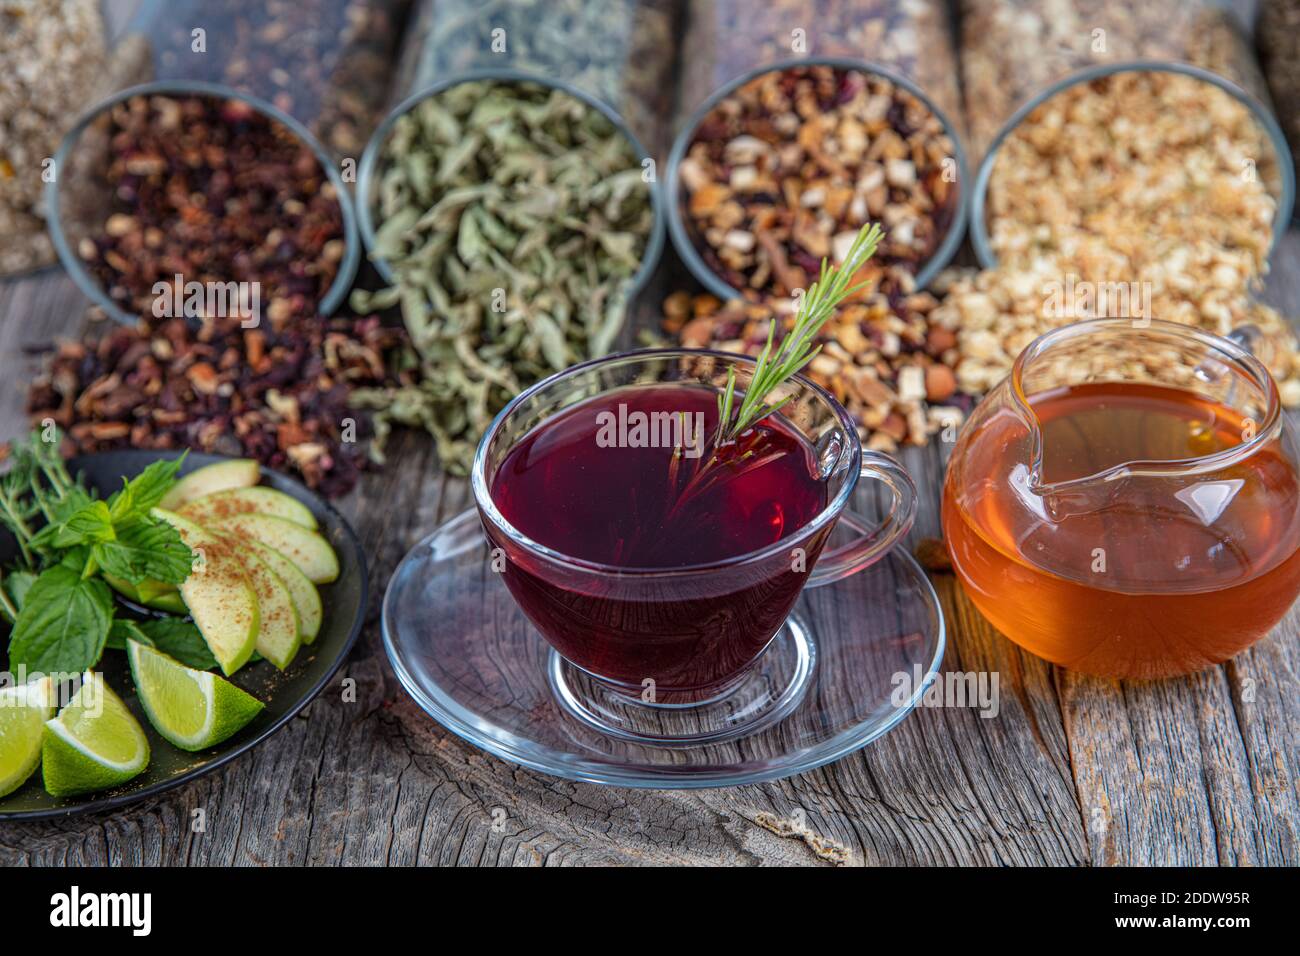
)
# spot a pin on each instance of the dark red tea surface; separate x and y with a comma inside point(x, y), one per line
point(635, 507)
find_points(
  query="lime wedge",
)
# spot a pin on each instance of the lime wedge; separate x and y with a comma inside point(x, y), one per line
point(93, 744)
point(23, 712)
point(193, 709)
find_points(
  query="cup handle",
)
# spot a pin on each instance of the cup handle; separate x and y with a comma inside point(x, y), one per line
point(851, 558)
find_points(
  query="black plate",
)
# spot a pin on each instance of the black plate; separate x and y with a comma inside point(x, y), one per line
point(284, 694)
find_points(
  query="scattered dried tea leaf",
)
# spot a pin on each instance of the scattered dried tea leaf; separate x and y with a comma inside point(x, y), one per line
point(880, 358)
point(932, 554)
point(993, 314)
point(281, 397)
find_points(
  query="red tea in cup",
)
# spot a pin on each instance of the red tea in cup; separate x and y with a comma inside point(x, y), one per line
point(649, 555)
point(631, 480)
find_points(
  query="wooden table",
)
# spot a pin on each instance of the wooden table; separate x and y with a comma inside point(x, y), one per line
point(1073, 770)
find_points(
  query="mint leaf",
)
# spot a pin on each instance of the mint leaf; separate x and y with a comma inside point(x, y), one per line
point(74, 559)
point(144, 491)
point(91, 522)
point(121, 504)
point(179, 640)
point(124, 630)
point(73, 500)
point(87, 525)
point(63, 624)
point(146, 550)
point(16, 585)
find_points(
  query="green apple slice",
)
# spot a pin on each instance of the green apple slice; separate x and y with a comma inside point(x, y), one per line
point(257, 500)
point(169, 601)
point(278, 633)
point(154, 594)
point(305, 596)
point(219, 595)
point(304, 547)
point(234, 473)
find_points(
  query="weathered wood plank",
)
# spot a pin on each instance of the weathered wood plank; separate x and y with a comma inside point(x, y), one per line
point(1186, 771)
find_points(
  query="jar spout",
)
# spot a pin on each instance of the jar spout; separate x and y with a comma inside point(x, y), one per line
point(1055, 501)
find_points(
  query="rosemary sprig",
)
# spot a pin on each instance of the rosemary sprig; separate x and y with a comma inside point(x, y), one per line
point(796, 349)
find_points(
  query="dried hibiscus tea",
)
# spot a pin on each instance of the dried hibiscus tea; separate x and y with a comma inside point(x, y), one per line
point(283, 397)
point(197, 192)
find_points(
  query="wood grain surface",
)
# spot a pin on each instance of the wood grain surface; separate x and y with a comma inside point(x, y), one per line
point(1073, 770)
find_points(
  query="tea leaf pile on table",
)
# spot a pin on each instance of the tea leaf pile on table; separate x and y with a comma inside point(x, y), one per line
point(277, 393)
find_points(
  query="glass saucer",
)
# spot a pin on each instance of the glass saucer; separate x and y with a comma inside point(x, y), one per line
point(852, 661)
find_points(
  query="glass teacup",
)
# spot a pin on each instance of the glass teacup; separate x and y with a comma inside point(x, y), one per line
point(689, 631)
